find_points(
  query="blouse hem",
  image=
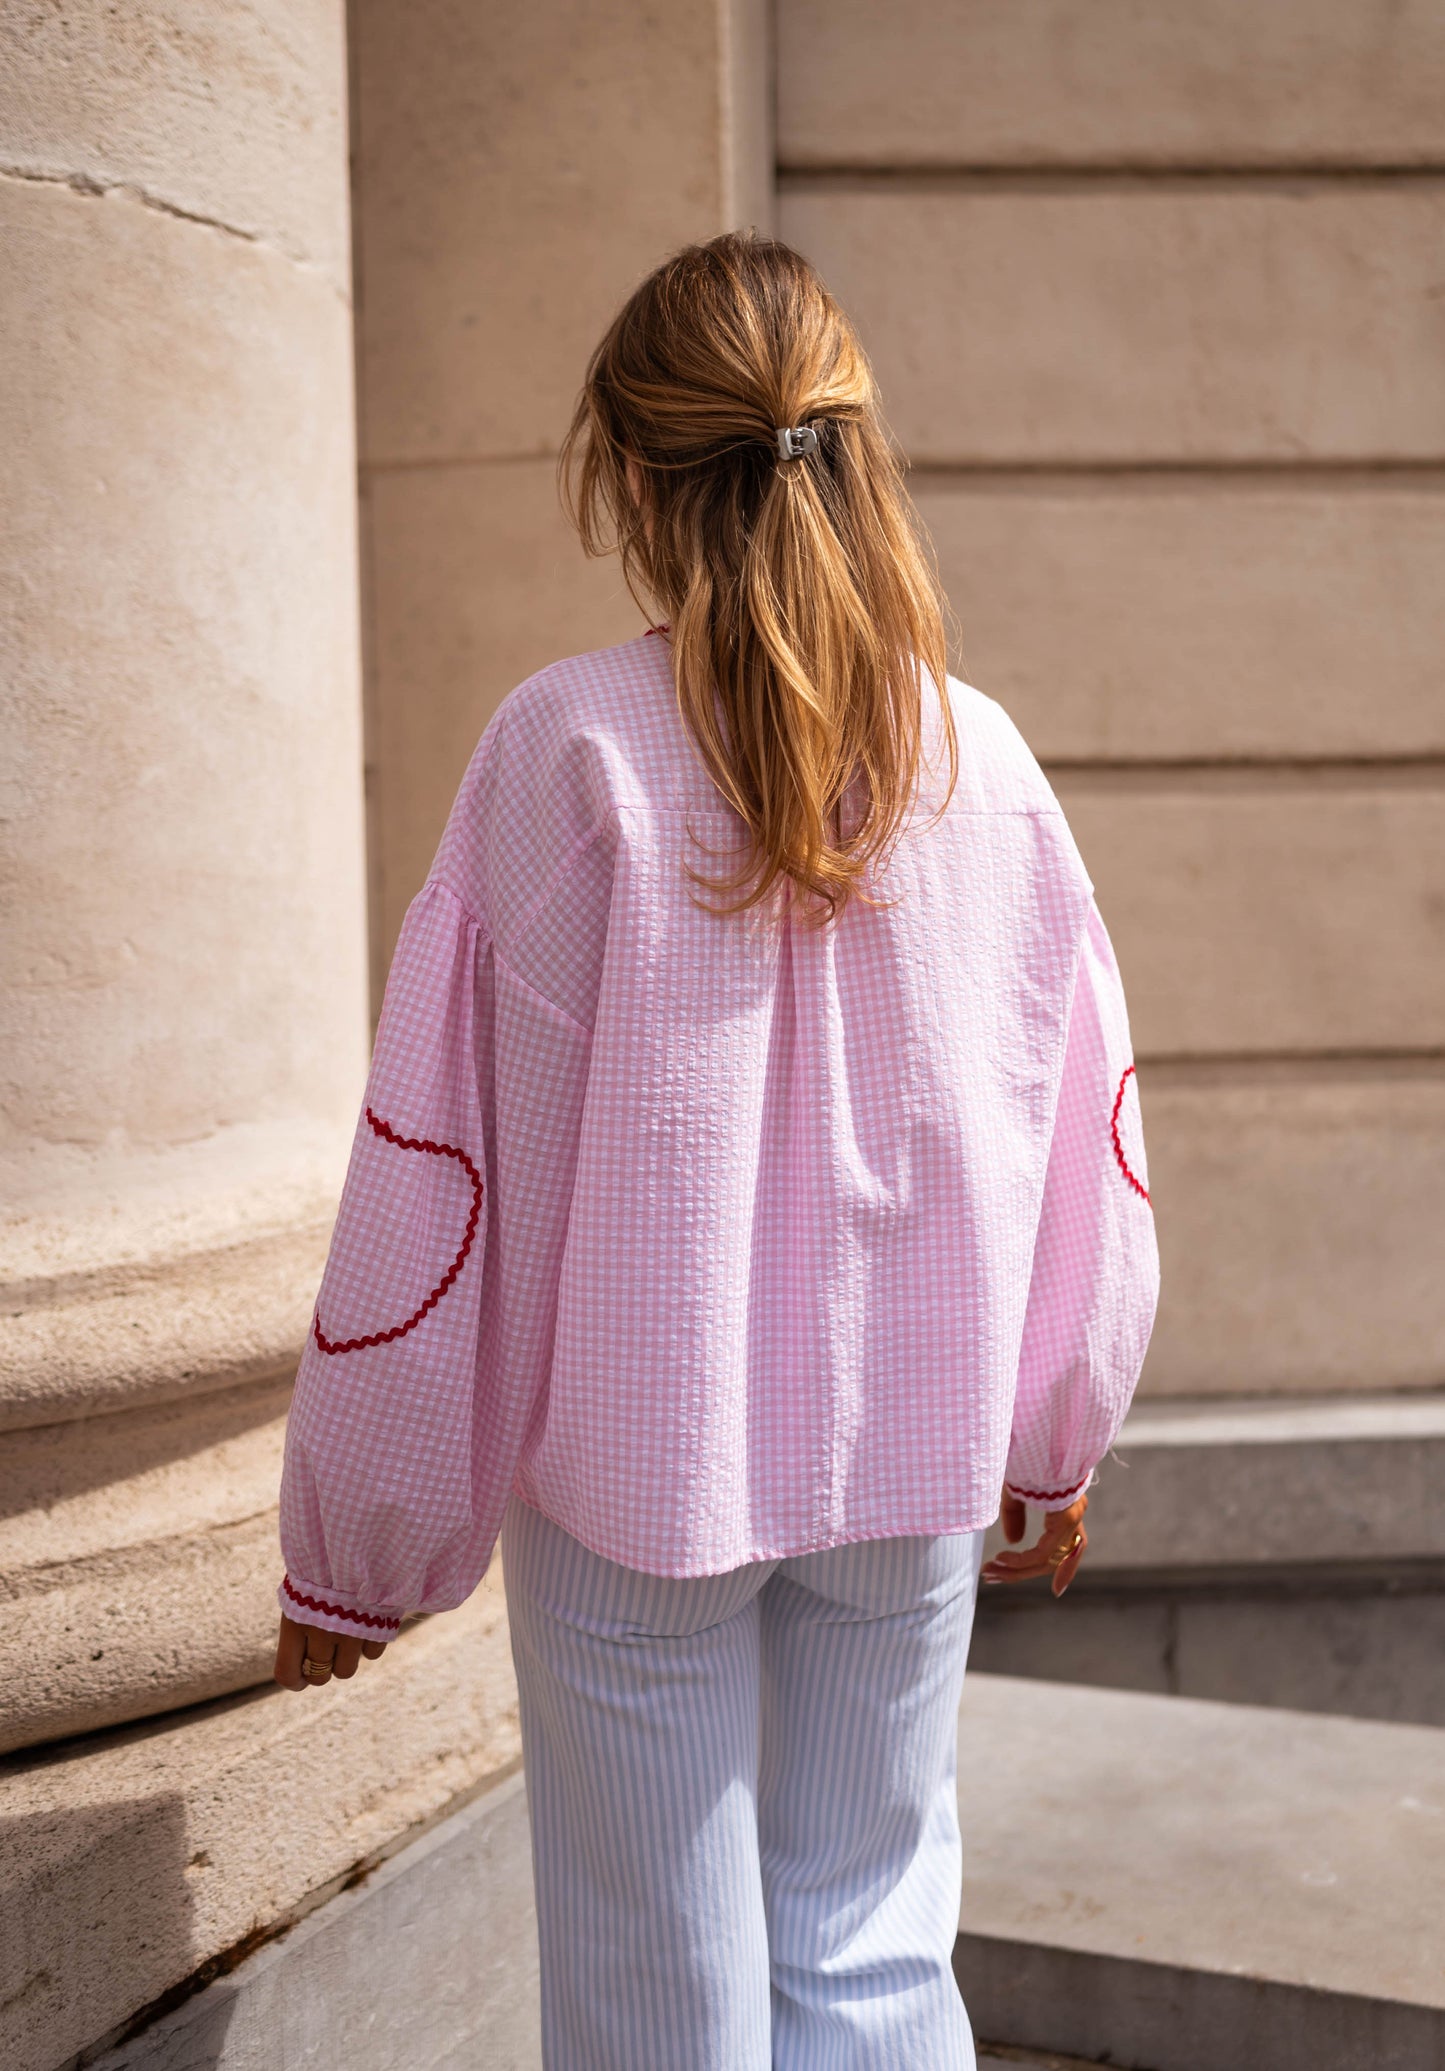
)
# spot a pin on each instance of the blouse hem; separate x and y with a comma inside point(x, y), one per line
point(946, 1527)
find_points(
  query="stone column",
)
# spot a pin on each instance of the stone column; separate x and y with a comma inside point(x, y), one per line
point(182, 981)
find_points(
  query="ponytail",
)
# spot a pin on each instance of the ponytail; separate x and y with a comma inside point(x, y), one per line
point(804, 607)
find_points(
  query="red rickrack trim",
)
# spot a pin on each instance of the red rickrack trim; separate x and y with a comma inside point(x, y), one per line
point(657, 629)
point(399, 1330)
point(1045, 1495)
point(319, 1603)
point(1142, 1191)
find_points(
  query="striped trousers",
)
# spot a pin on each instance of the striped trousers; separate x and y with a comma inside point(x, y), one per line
point(741, 1790)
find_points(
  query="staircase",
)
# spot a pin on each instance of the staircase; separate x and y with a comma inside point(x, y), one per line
point(1203, 1798)
point(1268, 1552)
point(1165, 1883)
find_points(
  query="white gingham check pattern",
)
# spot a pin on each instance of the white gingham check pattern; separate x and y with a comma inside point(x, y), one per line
point(786, 1239)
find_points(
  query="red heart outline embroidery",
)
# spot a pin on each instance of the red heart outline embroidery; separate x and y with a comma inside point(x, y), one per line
point(399, 1330)
point(1140, 1190)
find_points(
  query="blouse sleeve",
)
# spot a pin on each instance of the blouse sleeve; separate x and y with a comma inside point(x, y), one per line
point(376, 1494)
point(1095, 1279)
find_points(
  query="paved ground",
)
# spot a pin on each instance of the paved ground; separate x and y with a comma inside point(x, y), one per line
point(1013, 2062)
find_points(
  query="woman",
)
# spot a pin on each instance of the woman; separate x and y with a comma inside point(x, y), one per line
point(749, 1188)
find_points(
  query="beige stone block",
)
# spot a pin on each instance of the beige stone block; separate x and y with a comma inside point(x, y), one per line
point(139, 1558)
point(131, 1634)
point(1143, 322)
point(106, 1484)
point(1271, 911)
point(182, 1326)
point(130, 1859)
point(1172, 618)
point(228, 115)
point(1048, 82)
point(1299, 1211)
point(517, 172)
point(178, 636)
point(1190, 1476)
point(478, 581)
point(129, 1278)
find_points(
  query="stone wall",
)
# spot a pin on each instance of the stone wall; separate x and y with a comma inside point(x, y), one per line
point(516, 173)
point(1153, 297)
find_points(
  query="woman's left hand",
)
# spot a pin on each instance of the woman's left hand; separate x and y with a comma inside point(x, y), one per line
point(335, 1654)
point(1059, 1550)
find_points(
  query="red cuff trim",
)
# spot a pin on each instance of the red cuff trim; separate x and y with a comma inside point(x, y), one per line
point(319, 1603)
point(448, 1278)
point(1049, 1495)
point(1139, 1189)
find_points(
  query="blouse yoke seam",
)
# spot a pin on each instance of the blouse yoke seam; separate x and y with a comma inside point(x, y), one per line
point(512, 972)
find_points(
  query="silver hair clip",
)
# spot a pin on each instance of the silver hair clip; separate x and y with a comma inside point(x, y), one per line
point(795, 440)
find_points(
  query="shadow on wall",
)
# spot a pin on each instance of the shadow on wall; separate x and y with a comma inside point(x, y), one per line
point(107, 1886)
point(112, 1528)
point(140, 1863)
point(451, 1914)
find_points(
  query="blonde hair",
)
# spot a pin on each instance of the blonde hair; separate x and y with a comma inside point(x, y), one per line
point(801, 592)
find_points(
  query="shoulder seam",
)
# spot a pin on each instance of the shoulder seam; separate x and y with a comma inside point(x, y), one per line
point(572, 855)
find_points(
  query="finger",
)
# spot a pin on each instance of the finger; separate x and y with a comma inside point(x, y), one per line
point(1017, 1567)
point(1022, 1567)
point(1059, 1527)
point(373, 1649)
point(290, 1646)
point(1065, 1529)
point(320, 1647)
point(347, 1658)
point(1067, 1568)
point(1014, 1517)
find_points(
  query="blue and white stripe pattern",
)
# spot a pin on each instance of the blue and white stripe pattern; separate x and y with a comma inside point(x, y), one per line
point(742, 1797)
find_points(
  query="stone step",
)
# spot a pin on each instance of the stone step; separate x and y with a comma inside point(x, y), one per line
point(431, 1963)
point(1252, 1483)
point(1268, 1552)
point(1025, 2060)
point(134, 1861)
point(1149, 1882)
point(1366, 1644)
point(1179, 1885)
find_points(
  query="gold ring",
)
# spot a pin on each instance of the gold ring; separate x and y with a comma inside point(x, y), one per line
point(1056, 1560)
point(315, 1669)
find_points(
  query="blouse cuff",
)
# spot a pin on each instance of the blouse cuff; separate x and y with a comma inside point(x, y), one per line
point(1050, 1499)
point(334, 1611)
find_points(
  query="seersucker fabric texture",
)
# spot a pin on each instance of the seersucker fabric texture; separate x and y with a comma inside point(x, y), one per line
point(718, 1238)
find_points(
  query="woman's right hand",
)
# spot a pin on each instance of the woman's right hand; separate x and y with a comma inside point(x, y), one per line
point(326, 1654)
point(1063, 1529)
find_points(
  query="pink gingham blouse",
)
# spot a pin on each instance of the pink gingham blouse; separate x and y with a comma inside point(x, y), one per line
point(717, 1238)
